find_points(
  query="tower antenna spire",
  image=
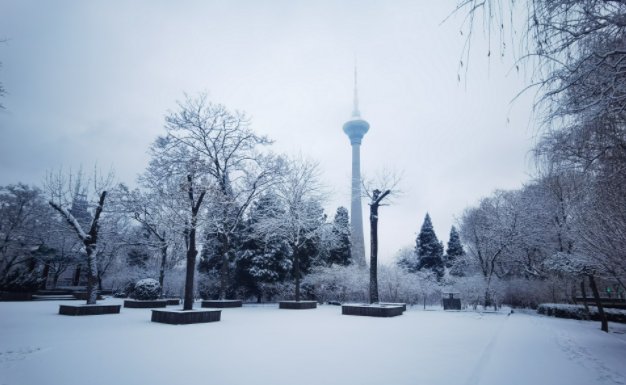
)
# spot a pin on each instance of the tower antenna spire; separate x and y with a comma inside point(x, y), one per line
point(355, 111)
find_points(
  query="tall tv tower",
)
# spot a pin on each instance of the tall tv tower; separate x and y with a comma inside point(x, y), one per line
point(356, 128)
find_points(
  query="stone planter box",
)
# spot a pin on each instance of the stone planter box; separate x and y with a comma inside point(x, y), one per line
point(374, 310)
point(172, 301)
point(402, 304)
point(222, 303)
point(185, 317)
point(141, 304)
point(15, 296)
point(88, 309)
point(297, 304)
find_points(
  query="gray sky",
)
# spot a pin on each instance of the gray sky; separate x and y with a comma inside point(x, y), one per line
point(91, 82)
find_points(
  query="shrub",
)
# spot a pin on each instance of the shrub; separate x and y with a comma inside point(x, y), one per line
point(578, 312)
point(146, 289)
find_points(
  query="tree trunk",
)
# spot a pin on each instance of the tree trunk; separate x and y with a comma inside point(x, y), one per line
point(191, 267)
point(76, 278)
point(296, 271)
point(163, 263)
point(55, 280)
point(92, 275)
point(224, 247)
point(596, 297)
point(44, 275)
point(374, 253)
point(583, 292)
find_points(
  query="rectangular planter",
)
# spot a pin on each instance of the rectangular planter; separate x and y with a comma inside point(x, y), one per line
point(172, 301)
point(185, 317)
point(297, 304)
point(88, 309)
point(402, 304)
point(15, 296)
point(139, 304)
point(372, 310)
point(222, 303)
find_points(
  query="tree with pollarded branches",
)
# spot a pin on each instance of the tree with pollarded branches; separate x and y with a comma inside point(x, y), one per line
point(386, 186)
point(64, 189)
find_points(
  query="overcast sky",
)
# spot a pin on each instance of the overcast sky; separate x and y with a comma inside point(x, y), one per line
point(91, 81)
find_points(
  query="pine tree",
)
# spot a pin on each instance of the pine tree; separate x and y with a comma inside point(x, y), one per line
point(454, 251)
point(262, 259)
point(429, 250)
point(340, 254)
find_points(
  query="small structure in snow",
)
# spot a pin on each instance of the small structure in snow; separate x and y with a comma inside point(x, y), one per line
point(451, 303)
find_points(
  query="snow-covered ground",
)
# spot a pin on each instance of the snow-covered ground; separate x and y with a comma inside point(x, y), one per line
point(265, 345)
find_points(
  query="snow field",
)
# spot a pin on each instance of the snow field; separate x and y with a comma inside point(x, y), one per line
point(265, 345)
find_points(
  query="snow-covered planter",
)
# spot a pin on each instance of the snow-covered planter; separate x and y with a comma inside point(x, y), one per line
point(222, 303)
point(185, 317)
point(374, 310)
point(578, 312)
point(145, 304)
point(297, 305)
point(147, 289)
point(77, 310)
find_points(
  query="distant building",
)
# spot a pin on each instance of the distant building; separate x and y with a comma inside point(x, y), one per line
point(356, 128)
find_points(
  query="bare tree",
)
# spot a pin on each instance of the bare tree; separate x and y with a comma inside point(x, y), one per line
point(489, 232)
point(21, 211)
point(210, 153)
point(150, 210)
point(66, 189)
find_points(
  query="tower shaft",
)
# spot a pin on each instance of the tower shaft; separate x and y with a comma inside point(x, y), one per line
point(356, 211)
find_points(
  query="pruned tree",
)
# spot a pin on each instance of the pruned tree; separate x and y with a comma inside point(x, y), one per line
point(385, 186)
point(64, 189)
point(375, 202)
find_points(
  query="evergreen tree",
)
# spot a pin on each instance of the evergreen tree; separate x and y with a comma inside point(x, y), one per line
point(340, 254)
point(262, 259)
point(454, 251)
point(429, 250)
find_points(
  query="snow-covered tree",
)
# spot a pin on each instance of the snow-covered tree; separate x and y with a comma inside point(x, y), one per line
point(489, 232)
point(454, 251)
point(22, 227)
point(151, 211)
point(212, 154)
point(340, 252)
point(64, 190)
point(428, 249)
point(302, 218)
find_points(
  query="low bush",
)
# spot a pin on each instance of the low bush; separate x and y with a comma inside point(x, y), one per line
point(146, 289)
point(578, 312)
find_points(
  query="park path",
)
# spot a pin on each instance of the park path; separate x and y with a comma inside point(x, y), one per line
point(527, 349)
